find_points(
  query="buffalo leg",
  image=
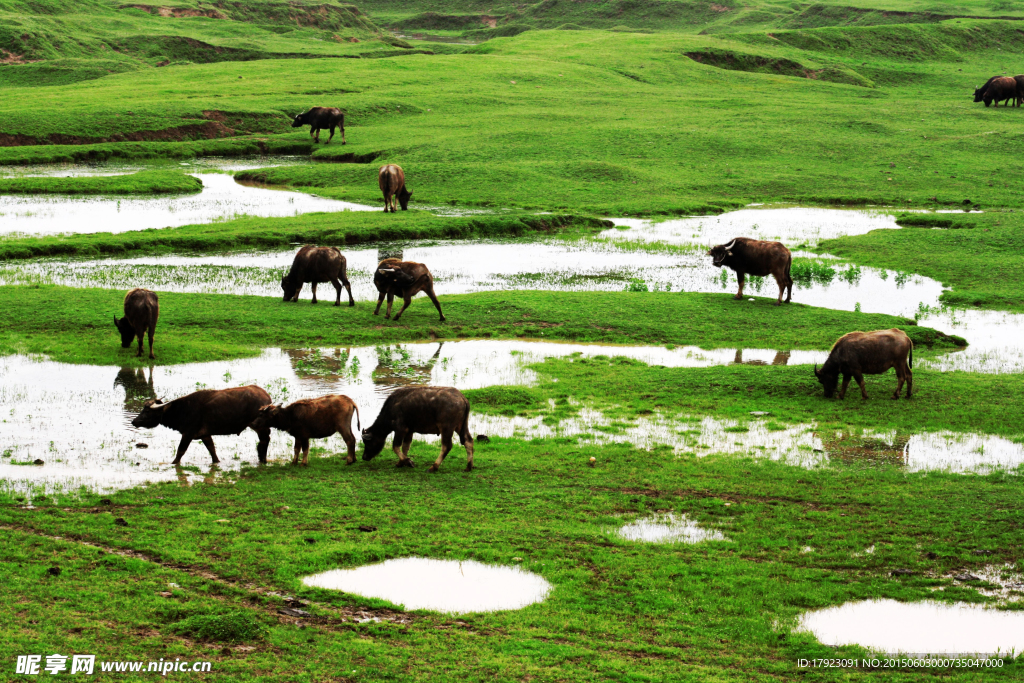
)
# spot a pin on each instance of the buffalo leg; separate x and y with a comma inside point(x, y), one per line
point(910, 380)
point(380, 300)
point(263, 445)
point(152, 329)
point(782, 288)
point(140, 334)
point(842, 390)
point(446, 447)
point(430, 292)
point(387, 203)
point(466, 437)
point(789, 288)
point(312, 286)
point(208, 442)
point(298, 447)
point(391, 300)
point(331, 136)
point(342, 132)
point(348, 288)
point(400, 440)
point(316, 139)
point(183, 445)
point(298, 290)
point(337, 288)
point(742, 278)
point(899, 384)
point(860, 381)
point(350, 440)
point(406, 301)
point(305, 451)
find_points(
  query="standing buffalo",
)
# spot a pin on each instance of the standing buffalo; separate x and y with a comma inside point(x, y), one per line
point(319, 118)
point(420, 410)
point(391, 179)
point(406, 279)
point(312, 418)
point(141, 309)
point(867, 353)
point(998, 89)
point(207, 413)
point(314, 265)
point(755, 257)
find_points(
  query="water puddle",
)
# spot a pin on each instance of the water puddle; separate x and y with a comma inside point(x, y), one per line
point(1003, 582)
point(449, 586)
point(121, 167)
point(922, 628)
point(949, 451)
point(669, 528)
point(221, 199)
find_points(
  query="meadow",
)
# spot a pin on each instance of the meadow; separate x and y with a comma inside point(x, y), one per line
point(542, 121)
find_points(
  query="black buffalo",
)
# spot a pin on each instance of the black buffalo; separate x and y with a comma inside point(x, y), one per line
point(208, 413)
point(755, 257)
point(314, 265)
point(420, 410)
point(867, 353)
point(312, 418)
point(141, 310)
point(323, 118)
point(998, 89)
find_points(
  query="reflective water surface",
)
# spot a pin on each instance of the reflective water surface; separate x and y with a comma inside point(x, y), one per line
point(450, 586)
point(669, 528)
point(221, 198)
point(925, 627)
point(122, 167)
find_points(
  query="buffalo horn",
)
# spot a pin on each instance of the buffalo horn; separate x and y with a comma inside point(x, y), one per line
point(730, 245)
point(815, 369)
point(385, 271)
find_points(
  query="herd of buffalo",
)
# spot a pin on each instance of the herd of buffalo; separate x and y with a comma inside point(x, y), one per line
point(445, 410)
point(1008, 89)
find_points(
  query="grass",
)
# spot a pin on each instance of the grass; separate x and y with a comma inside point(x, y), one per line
point(143, 182)
point(72, 325)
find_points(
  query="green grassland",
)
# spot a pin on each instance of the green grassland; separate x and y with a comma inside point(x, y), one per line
point(143, 182)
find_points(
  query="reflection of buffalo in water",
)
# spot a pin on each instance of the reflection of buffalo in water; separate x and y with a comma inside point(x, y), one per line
point(392, 372)
point(313, 363)
point(781, 358)
point(136, 387)
point(853, 448)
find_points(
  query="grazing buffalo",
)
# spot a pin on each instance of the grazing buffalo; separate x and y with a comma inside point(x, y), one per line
point(998, 89)
point(319, 118)
point(405, 279)
point(314, 265)
point(867, 353)
point(208, 413)
point(420, 410)
point(755, 257)
point(141, 309)
point(312, 418)
point(391, 179)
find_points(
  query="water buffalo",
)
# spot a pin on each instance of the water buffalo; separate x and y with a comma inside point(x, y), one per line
point(312, 418)
point(141, 309)
point(867, 353)
point(319, 118)
point(208, 413)
point(314, 265)
point(391, 179)
point(755, 257)
point(998, 89)
point(420, 410)
point(406, 279)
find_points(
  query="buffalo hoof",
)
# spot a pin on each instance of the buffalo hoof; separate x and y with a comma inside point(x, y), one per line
point(337, 303)
point(351, 303)
point(314, 302)
point(443, 318)
point(469, 467)
point(405, 463)
point(432, 468)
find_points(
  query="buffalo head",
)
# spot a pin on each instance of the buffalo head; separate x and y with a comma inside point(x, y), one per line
point(979, 94)
point(299, 120)
point(152, 412)
point(372, 444)
point(290, 290)
point(126, 330)
point(265, 418)
point(403, 198)
point(829, 381)
point(720, 253)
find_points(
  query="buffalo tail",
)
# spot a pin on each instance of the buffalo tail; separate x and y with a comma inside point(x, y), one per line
point(359, 426)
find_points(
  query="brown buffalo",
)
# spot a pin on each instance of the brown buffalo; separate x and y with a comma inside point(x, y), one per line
point(405, 279)
point(141, 309)
point(208, 413)
point(755, 257)
point(314, 265)
point(391, 179)
point(999, 89)
point(319, 118)
point(420, 410)
point(867, 353)
point(312, 418)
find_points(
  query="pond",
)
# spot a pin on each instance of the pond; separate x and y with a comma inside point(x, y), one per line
point(669, 528)
point(448, 586)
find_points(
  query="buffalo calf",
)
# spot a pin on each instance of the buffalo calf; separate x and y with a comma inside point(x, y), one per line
point(141, 309)
point(319, 118)
point(314, 265)
point(406, 279)
point(312, 418)
point(867, 353)
point(420, 410)
point(756, 257)
point(391, 179)
point(208, 413)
